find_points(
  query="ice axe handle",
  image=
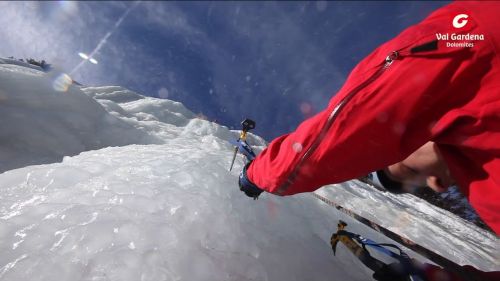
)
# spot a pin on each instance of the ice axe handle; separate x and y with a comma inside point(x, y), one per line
point(246, 125)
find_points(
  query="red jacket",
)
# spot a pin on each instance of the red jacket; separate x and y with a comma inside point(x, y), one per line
point(411, 90)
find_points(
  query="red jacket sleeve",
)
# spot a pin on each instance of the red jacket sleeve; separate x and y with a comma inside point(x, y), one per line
point(390, 105)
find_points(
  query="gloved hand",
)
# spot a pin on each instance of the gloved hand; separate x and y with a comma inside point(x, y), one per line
point(381, 181)
point(391, 272)
point(249, 188)
point(245, 149)
point(398, 272)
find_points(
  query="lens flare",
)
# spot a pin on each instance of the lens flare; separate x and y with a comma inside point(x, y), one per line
point(103, 40)
point(163, 93)
point(83, 56)
point(62, 82)
point(306, 108)
point(87, 57)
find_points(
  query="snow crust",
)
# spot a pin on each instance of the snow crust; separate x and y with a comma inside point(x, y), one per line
point(138, 188)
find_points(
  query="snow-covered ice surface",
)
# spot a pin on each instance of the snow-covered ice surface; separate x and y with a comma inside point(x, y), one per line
point(40, 124)
point(146, 195)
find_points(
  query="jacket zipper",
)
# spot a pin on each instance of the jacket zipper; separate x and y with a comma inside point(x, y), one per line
point(333, 116)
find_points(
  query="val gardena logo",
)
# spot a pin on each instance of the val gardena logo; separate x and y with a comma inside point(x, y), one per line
point(462, 40)
point(460, 21)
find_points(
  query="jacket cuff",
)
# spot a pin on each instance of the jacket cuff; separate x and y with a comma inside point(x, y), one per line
point(246, 185)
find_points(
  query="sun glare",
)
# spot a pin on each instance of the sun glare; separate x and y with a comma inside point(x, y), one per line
point(83, 56)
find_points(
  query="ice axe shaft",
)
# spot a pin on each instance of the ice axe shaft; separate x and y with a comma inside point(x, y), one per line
point(234, 158)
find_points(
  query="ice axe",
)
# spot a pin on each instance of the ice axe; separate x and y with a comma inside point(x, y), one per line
point(246, 125)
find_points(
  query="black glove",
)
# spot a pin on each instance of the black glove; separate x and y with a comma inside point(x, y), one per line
point(391, 272)
point(249, 188)
point(399, 272)
point(245, 149)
